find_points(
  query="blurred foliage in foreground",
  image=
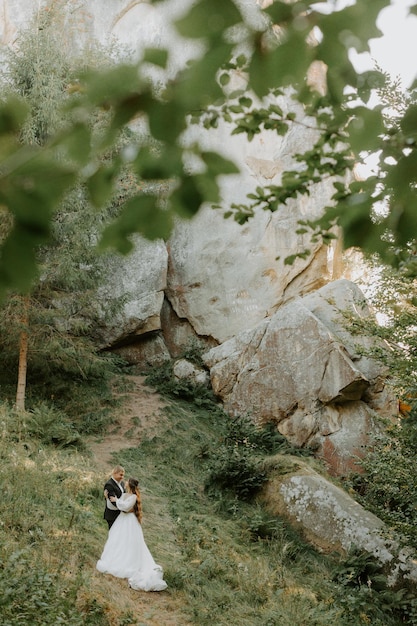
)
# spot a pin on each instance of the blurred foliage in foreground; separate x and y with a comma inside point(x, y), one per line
point(376, 214)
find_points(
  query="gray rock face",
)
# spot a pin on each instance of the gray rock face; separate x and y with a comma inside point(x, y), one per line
point(138, 281)
point(148, 351)
point(294, 370)
point(225, 278)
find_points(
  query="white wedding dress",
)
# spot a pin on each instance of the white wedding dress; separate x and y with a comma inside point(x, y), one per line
point(126, 554)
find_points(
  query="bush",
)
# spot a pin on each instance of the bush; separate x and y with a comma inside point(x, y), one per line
point(242, 431)
point(388, 484)
point(235, 471)
point(366, 596)
point(51, 426)
point(261, 525)
point(238, 466)
point(193, 351)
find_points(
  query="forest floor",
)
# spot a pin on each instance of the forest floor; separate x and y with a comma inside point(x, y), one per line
point(140, 417)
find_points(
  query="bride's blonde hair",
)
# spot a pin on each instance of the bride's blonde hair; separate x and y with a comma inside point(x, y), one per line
point(134, 488)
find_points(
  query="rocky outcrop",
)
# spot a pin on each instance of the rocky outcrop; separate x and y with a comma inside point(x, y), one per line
point(281, 350)
point(148, 351)
point(225, 278)
point(331, 520)
point(300, 370)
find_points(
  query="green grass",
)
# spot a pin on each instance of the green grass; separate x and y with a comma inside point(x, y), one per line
point(226, 560)
point(233, 563)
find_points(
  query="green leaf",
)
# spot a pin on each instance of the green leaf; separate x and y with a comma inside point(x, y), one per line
point(34, 188)
point(409, 121)
point(217, 164)
point(187, 197)
point(198, 86)
point(340, 71)
point(104, 88)
point(13, 113)
point(359, 230)
point(18, 267)
point(224, 79)
point(245, 101)
point(290, 259)
point(153, 166)
point(366, 129)
point(369, 81)
point(140, 214)
point(403, 174)
point(167, 120)
point(208, 19)
point(77, 141)
point(208, 187)
point(285, 12)
point(30, 208)
point(403, 218)
point(287, 64)
point(125, 110)
point(354, 25)
point(351, 27)
point(100, 185)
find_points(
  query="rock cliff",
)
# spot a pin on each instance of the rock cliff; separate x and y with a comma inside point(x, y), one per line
point(279, 348)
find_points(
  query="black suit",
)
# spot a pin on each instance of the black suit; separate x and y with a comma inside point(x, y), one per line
point(113, 489)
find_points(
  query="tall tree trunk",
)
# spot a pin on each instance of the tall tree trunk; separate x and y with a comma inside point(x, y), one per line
point(23, 354)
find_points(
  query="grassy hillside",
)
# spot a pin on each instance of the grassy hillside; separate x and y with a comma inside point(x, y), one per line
point(225, 560)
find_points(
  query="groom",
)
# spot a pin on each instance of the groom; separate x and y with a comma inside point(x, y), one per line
point(113, 487)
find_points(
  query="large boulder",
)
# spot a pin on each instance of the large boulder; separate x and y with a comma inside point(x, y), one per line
point(293, 369)
point(331, 520)
point(146, 352)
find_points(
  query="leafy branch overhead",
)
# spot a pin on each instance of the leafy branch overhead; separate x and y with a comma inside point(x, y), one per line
point(278, 52)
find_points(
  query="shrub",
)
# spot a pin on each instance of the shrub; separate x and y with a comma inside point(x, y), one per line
point(366, 596)
point(243, 431)
point(193, 351)
point(388, 484)
point(235, 471)
point(238, 465)
point(51, 426)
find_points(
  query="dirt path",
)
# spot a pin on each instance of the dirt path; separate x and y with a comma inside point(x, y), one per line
point(141, 416)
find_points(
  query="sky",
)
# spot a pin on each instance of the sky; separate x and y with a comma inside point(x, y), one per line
point(396, 51)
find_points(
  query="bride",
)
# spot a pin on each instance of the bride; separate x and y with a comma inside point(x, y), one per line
point(125, 553)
